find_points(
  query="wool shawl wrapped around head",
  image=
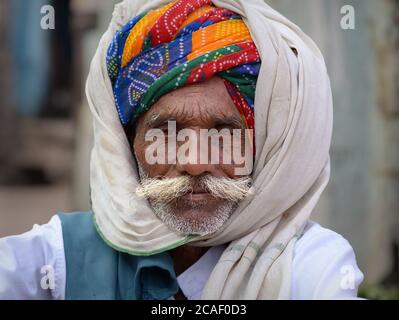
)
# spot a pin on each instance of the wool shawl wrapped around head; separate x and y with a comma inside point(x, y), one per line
point(293, 124)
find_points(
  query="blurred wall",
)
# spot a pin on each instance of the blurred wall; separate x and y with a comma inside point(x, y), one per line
point(362, 199)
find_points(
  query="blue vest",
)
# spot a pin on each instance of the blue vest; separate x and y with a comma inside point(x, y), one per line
point(94, 270)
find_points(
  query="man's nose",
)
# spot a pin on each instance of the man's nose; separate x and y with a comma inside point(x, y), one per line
point(195, 169)
point(192, 157)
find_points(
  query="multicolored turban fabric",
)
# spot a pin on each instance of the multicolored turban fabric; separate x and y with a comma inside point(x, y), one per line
point(182, 43)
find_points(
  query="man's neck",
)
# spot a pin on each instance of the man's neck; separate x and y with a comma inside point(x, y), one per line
point(185, 256)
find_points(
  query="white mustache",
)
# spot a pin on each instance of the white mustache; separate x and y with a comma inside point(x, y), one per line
point(168, 189)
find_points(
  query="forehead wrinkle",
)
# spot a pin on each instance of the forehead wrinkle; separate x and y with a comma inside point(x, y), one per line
point(152, 118)
point(206, 114)
point(174, 109)
point(188, 108)
point(185, 110)
point(193, 104)
point(201, 110)
point(212, 113)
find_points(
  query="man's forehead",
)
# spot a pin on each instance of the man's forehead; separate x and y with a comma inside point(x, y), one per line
point(200, 103)
point(209, 90)
point(159, 118)
point(196, 111)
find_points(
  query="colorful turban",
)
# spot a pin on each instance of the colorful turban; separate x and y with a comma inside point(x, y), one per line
point(182, 43)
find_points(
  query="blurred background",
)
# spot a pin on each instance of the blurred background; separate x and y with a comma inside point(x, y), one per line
point(45, 125)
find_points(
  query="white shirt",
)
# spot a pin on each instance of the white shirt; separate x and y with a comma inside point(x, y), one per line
point(324, 266)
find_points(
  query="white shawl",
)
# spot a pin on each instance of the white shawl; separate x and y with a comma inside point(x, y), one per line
point(293, 124)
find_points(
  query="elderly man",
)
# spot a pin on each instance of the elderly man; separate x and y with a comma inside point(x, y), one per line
point(212, 124)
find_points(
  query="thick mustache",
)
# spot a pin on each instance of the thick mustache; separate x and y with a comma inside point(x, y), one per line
point(168, 189)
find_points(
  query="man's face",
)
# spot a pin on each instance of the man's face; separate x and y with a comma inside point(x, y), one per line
point(192, 197)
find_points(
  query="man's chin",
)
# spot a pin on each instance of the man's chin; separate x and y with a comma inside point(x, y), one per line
point(195, 217)
point(198, 205)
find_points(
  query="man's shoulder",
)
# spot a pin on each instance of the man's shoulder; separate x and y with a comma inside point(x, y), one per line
point(315, 236)
point(80, 227)
point(75, 216)
point(322, 245)
point(81, 221)
point(322, 259)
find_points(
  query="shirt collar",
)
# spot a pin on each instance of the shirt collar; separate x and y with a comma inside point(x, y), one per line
point(192, 281)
